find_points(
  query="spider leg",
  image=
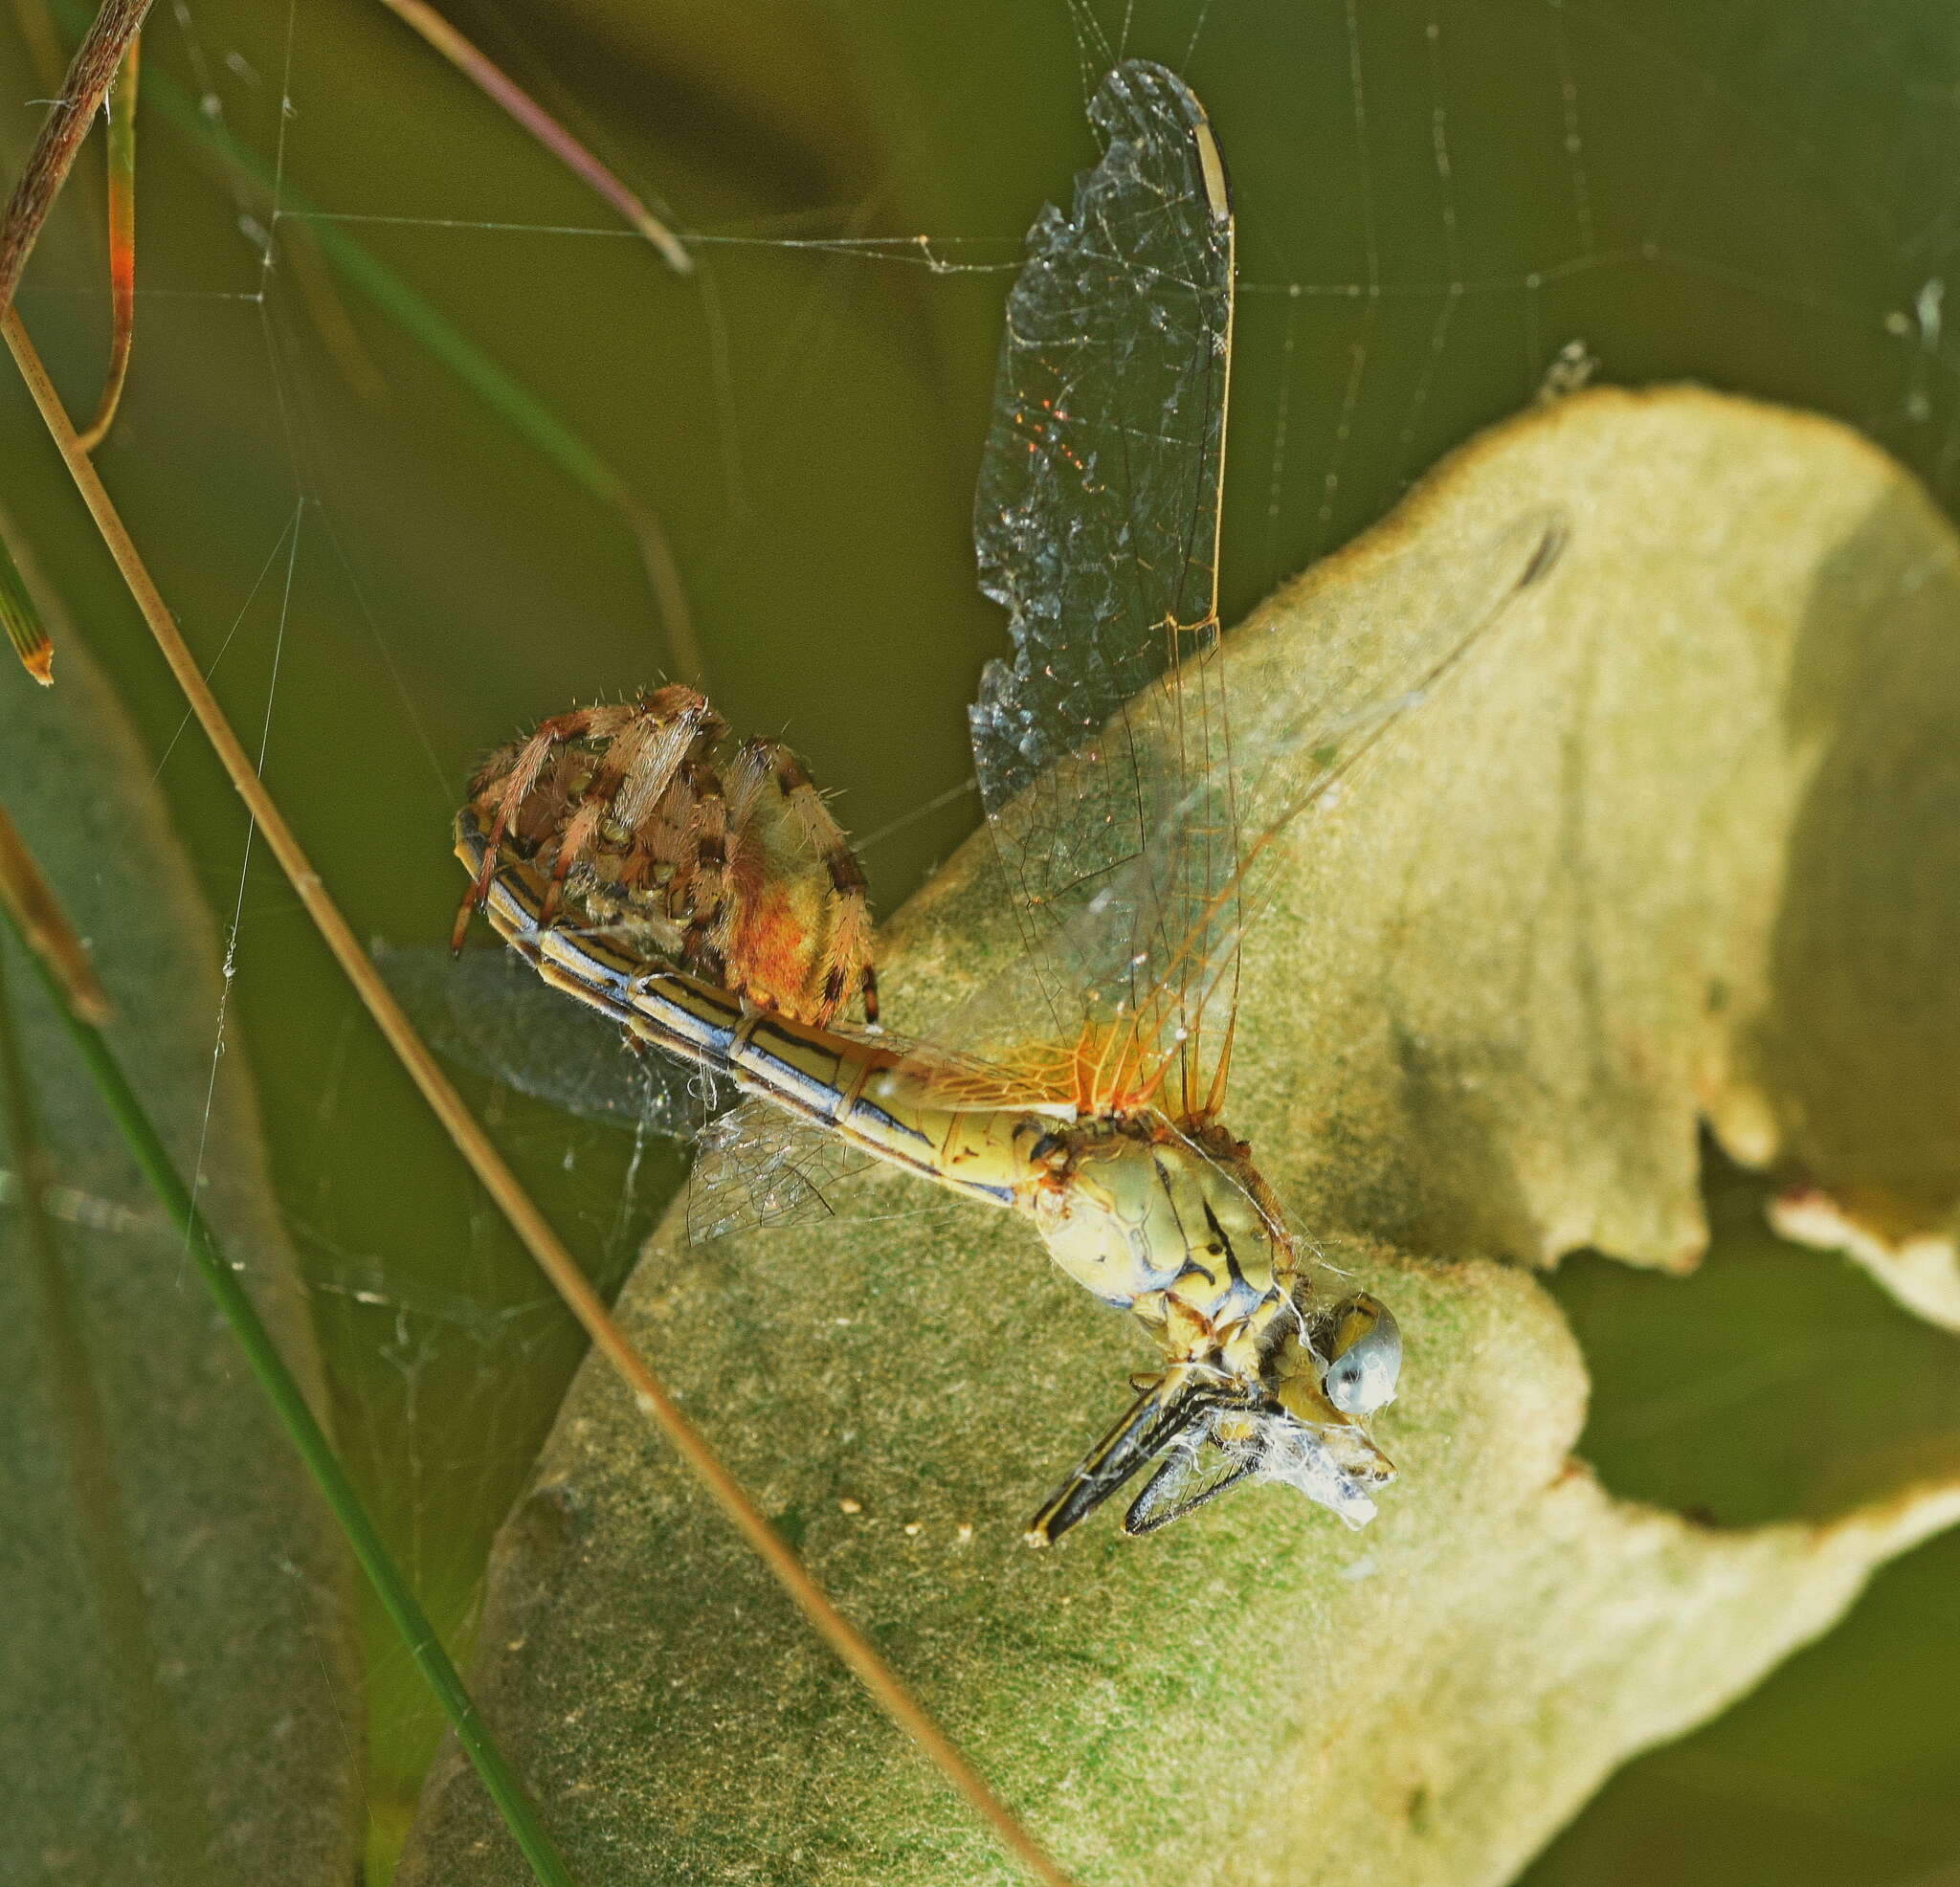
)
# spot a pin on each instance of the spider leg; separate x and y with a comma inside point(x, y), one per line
point(524, 768)
point(702, 884)
point(848, 948)
point(655, 738)
point(682, 727)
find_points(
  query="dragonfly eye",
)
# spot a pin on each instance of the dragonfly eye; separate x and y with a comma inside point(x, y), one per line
point(1364, 1345)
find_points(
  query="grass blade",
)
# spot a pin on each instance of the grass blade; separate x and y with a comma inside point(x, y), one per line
point(122, 110)
point(514, 404)
point(26, 632)
point(268, 1368)
point(177, 1821)
point(37, 914)
point(491, 81)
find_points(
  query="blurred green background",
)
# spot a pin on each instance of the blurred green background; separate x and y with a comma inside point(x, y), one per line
point(394, 366)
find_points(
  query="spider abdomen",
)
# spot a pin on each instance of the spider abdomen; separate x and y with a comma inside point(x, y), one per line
point(728, 866)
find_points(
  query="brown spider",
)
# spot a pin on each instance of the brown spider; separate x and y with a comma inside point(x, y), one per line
point(732, 870)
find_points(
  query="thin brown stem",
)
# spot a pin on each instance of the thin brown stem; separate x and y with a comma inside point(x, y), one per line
point(552, 1259)
point(90, 75)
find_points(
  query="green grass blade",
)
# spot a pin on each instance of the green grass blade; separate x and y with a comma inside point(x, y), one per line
point(418, 1637)
point(25, 630)
point(174, 1802)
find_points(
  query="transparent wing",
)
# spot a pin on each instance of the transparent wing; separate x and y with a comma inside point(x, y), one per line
point(1381, 646)
point(1379, 650)
point(761, 1168)
point(489, 1011)
point(1154, 947)
point(1096, 522)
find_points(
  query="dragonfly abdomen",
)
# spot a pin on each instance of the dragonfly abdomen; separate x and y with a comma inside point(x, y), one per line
point(816, 1074)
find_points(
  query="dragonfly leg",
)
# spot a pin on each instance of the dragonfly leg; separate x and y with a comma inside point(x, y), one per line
point(1159, 1416)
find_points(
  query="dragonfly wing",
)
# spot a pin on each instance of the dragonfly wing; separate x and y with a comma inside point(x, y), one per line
point(488, 1012)
point(1304, 733)
point(762, 1168)
point(1300, 732)
point(1096, 522)
point(1135, 811)
point(1421, 616)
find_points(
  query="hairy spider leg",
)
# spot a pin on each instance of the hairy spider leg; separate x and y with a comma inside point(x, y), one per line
point(519, 767)
point(847, 948)
point(663, 733)
point(702, 887)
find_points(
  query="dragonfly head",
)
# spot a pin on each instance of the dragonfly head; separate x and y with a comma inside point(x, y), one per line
point(1363, 1345)
point(1340, 1362)
point(1329, 1372)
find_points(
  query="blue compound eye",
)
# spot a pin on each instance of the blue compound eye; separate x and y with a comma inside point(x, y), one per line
point(1365, 1343)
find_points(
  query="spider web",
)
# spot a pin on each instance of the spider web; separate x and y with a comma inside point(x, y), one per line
point(408, 402)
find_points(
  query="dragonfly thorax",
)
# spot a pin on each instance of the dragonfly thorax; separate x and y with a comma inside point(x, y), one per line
point(1149, 1221)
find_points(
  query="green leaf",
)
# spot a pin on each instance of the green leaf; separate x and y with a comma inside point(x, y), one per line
point(182, 1666)
point(1669, 846)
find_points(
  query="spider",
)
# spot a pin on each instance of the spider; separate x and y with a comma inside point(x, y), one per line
point(732, 870)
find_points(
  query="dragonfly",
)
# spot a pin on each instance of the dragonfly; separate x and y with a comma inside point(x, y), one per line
point(698, 903)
